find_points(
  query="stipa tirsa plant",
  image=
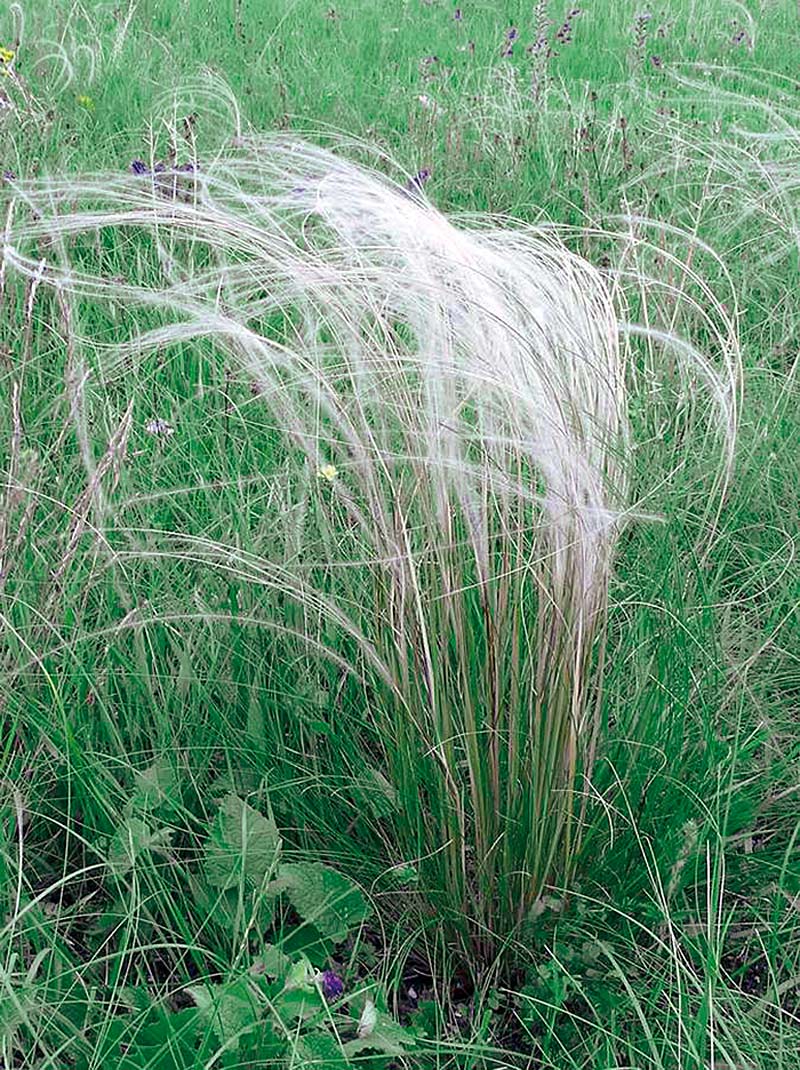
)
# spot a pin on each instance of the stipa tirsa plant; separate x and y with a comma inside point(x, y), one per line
point(461, 388)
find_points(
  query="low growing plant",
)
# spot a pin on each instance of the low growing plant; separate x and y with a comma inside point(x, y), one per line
point(281, 999)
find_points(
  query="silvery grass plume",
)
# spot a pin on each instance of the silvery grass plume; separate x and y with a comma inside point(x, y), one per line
point(65, 53)
point(452, 403)
point(746, 167)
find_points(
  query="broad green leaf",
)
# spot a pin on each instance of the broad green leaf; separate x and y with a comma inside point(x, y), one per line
point(163, 1032)
point(134, 998)
point(272, 962)
point(331, 902)
point(308, 941)
point(301, 975)
point(166, 1041)
point(231, 913)
point(319, 1049)
point(297, 1004)
point(153, 786)
point(229, 1009)
point(132, 839)
point(242, 844)
point(403, 875)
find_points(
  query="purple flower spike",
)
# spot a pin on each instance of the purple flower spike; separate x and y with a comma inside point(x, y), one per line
point(332, 985)
point(458, 14)
point(139, 167)
point(512, 33)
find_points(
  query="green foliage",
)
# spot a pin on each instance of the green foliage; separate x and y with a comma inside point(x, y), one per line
point(243, 851)
point(144, 681)
point(229, 1010)
point(255, 1020)
point(243, 846)
point(131, 840)
point(323, 897)
point(271, 1010)
point(156, 1038)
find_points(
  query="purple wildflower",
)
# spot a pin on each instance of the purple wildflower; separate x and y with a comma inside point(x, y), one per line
point(657, 62)
point(139, 167)
point(9, 176)
point(458, 15)
point(509, 51)
point(640, 30)
point(512, 33)
point(332, 985)
point(415, 184)
point(564, 35)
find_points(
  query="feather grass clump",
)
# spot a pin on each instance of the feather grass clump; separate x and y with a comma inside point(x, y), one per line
point(452, 405)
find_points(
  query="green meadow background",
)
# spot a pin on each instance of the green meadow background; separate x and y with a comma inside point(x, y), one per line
point(143, 689)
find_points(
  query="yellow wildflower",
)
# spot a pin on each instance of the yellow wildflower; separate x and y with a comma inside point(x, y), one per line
point(6, 55)
point(329, 472)
point(86, 102)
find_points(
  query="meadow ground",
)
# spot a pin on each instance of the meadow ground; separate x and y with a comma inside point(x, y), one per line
point(218, 849)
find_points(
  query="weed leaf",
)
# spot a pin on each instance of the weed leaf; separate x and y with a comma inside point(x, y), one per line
point(153, 786)
point(132, 839)
point(272, 963)
point(320, 1049)
point(229, 1009)
point(242, 844)
point(331, 902)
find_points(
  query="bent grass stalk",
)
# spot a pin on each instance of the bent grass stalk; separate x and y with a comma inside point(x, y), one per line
point(462, 388)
